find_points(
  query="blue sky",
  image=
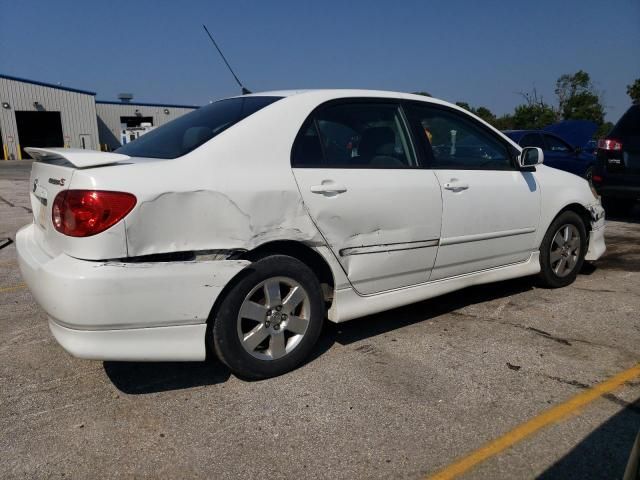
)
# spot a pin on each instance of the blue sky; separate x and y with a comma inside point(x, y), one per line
point(481, 52)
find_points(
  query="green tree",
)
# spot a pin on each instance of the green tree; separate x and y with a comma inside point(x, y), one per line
point(578, 99)
point(633, 91)
point(426, 94)
point(533, 116)
point(603, 130)
point(486, 114)
point(505, 122)
point(482, 112)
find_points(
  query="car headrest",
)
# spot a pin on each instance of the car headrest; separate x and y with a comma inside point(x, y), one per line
point(376, 141)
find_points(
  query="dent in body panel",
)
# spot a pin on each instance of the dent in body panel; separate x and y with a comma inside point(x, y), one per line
point(378, 268)
point(206, 219)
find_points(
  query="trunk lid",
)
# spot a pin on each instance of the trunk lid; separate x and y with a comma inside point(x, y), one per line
point(51, 173)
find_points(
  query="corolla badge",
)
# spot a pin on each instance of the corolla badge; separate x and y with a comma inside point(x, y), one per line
point(57, 181)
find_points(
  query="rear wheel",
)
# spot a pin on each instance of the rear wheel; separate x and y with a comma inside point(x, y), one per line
point(270, 320)
point(562, 251)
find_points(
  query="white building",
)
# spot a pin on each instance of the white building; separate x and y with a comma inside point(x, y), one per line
point(37, 114)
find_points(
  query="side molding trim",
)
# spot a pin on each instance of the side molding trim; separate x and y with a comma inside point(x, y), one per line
point(390, 247)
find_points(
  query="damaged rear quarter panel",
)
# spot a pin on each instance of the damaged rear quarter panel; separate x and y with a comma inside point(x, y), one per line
point(235, 192)
point(206, 219)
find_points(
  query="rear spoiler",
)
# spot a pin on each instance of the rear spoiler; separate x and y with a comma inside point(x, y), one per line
point(77, 157)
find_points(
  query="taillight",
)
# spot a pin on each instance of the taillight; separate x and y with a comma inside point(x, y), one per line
point(82, 213)
point(609, 144)
point(596, 179)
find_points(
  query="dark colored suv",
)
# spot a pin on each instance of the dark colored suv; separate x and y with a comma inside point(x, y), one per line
point(617, 173)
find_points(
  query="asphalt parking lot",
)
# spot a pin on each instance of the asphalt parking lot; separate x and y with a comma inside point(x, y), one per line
point(401, 394)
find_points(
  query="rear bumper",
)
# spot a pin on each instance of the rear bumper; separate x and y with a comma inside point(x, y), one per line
point(177, 343)
point(116, 311)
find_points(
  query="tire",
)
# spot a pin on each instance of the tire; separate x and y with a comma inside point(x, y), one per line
point(617, 206)
point(562, 251)
point(265, 341)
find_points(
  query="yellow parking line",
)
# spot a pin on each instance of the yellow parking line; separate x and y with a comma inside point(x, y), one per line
point(13, 287)
point(549, 417)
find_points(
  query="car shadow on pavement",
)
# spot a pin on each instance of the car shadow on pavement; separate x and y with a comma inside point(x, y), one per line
point(603, 453)
point(137, 378)
point(153, 377)
point(373, 325)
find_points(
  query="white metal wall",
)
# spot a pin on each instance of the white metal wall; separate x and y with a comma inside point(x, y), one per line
point(77, 112)
point(109, 117)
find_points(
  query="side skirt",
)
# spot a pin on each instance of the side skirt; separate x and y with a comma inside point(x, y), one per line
point(348, 305)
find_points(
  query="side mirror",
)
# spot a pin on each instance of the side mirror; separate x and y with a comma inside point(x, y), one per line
point(530, 157)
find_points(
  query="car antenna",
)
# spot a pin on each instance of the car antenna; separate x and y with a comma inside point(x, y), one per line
point(245, 91)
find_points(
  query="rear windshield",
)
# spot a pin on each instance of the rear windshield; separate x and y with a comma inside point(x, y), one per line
point(186, 133)
point(628, 125)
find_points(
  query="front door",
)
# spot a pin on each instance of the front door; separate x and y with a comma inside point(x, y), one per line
point(490, 209)
point(361, 181)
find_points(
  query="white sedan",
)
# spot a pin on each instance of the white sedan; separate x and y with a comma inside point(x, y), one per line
point(243, 225)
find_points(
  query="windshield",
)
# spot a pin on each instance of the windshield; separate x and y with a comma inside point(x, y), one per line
point(188, 132)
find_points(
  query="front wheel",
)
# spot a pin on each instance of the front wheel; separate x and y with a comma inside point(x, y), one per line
point(270, 320)
point(563, 249)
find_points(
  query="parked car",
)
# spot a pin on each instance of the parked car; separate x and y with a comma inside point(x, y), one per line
point(565, 145)
point(617, 173)
point(242, 225)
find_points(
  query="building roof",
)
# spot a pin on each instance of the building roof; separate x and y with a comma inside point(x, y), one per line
point(43, 84)
point(168, 105)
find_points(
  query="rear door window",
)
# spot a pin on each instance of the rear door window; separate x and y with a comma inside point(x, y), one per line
point(355, 135)
point(189, 131)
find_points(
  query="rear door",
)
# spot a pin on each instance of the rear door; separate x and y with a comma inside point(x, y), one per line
point(363, 185)
point(490, 209)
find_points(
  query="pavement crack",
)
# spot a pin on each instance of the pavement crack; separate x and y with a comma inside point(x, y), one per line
point(544, 334)
point(609, 396)
point(11, 204)
point(2, 199)
point(561, 340)
point(598, 290)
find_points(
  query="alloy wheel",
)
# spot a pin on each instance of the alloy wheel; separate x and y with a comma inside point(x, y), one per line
point(273, 318)
point(565, 250)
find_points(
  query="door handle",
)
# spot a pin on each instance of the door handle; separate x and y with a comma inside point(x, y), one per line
point(456, 186)
point(328, 189)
